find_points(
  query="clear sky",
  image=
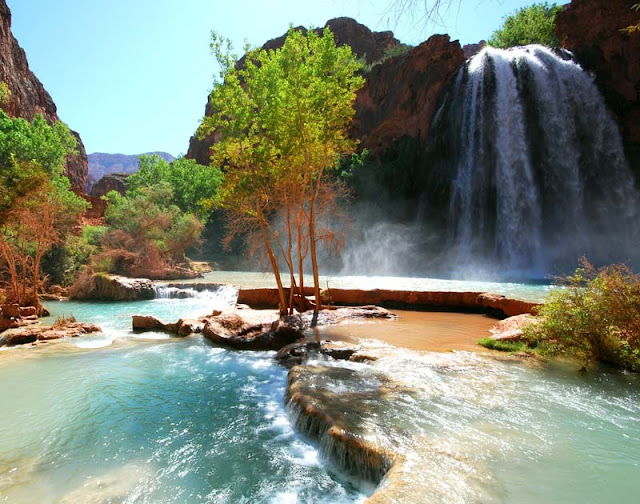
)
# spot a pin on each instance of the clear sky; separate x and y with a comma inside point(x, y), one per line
point(133, 76)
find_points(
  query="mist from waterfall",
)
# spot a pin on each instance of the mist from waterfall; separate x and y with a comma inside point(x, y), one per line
point(540, 176)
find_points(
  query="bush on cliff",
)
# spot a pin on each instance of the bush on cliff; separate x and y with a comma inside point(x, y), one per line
point(596, 317)
point(529, 25)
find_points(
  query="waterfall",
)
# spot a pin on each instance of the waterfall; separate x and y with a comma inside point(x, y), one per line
point(223, 295)
point(539, 175)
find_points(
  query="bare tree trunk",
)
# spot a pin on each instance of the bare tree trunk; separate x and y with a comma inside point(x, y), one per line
point(274, 265)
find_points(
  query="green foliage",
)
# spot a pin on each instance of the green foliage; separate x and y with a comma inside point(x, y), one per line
point(502, 346)
point(146, 222)
point(5, 93)
point(390, 52)
point(595, 318)
point(62, 263)
point(633, 28)
point(92, 235)
point(280, 121)
point(194, 187)
point(529, 25)
point(31, 154)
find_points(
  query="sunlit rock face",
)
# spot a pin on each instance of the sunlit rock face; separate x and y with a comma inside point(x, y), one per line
point(28, 95)
point(591, 30)
point(535, 164)
point(365, 44)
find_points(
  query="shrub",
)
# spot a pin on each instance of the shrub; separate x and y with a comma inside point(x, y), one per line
point(529, 25)
point(596, 317)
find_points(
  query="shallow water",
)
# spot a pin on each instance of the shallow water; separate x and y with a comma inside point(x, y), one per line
point(153, 419)
point(432, 331)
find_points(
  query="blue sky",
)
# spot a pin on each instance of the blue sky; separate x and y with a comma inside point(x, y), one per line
point(133, 76)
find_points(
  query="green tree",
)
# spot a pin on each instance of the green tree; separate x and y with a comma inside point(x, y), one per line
point(147, 232)
point(529, 25)
point(26, 148)
point(37, 207)
point(194, 187)
point(281, 122)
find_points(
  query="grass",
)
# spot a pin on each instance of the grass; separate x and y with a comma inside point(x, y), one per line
point(503, 346)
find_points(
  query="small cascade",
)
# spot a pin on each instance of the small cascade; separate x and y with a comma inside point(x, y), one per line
point(221, 294)
point(539, 172)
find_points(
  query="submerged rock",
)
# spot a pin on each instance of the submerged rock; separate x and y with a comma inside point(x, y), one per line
point(33, 333)
point(336, 419)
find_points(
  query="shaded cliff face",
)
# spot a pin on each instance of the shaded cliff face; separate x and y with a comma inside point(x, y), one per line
point(401, 94)
point(591, 30)
point(365, 44)
point(111, 182)
point(28, 95)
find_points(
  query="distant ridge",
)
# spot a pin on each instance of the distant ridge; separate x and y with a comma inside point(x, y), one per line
point(101, 164)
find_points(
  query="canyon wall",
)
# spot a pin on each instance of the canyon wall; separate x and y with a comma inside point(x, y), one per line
point(28, 95)
point(591, 30)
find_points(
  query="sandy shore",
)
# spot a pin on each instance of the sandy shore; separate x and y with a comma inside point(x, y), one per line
point(426, 331)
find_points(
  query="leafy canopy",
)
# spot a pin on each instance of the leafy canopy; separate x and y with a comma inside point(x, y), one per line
point(31, 154)
point(280, 120)
point(194, 187)
point(529, 25)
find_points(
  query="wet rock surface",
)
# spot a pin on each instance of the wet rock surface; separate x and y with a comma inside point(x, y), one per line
point(34, 333)
point(473, 302)
point(591, 30)
point(330, 404)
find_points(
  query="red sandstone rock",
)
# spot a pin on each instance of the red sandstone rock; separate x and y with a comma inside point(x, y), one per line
point(28, 95)
point(510, 329)
point(492, 304)
point(112, 182)
point(591, 30)
point(402, 93)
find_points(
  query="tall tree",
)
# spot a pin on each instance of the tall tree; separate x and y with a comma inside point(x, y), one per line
point(281, 122)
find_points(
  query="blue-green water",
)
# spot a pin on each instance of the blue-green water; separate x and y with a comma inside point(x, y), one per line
point(172, 420)
point(160, 420)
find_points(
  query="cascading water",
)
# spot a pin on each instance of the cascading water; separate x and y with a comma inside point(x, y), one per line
point(540, 177)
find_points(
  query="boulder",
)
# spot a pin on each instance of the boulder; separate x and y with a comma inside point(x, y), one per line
point(111, 182)
point(510, 329)
point(300, 352)
point(106, 287)
point(183, 327)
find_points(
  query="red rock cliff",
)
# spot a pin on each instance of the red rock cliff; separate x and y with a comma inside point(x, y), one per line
point(591, 30)
point(28, 95)
point(401, 94)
